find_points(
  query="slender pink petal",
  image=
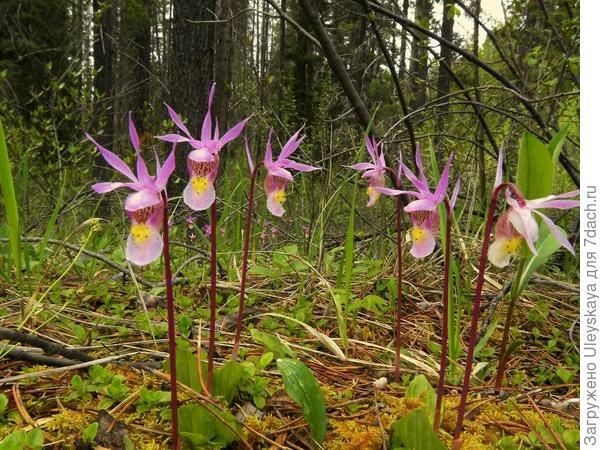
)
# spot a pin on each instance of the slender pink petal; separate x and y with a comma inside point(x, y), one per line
point(157, 161)
point(381, 161)
point(498, 180)
point(133, 134)
point(399, 173)
point(114, 161)
point(424, 246)
point(174, 138)
point(420, 205)
point(574, 193)
point(422, 187)
point(545, 202)
point(388, 191)
point(362, 166)
point(455, 194)
point(442, 187)
point(413, 193)
point(145, 252)
point(554, 204)
point(291, 145)
point(165, 172)
point(177, 121)
point(249, 156)
point(419, 163)
point(556, 232)
point(199, 201)
point(298, 166)
point(142, 171)
point(269, 150)
point(371, 145)
point(234, 132)
point(207, 124)
point(101, 188)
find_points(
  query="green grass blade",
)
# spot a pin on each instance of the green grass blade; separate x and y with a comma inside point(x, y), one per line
point(51, 223)
point(10, 205)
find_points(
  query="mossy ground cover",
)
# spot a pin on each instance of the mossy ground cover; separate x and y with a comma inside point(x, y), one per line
point(106, 318)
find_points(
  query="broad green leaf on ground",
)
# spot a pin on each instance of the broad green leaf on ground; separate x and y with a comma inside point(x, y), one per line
point(23, 440)
point(203, 427)
point(226, 380)
point(272, 343)
point(414, 432)
point(547, 245)
point(535, 168)
point(302, 387)
point(187, 369)
point(420, 389)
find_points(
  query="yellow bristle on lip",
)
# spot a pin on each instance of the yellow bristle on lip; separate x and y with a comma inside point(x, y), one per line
point(280, 196)
point(417, 234)
point(140, 232)
point(512, 245)
point(200, 184)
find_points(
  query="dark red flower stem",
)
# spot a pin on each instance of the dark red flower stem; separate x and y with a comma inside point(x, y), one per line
point(399, 285)
point(457, 443)
point(394, 175)
point(445, 310)
point(212, 292)
point(171, 321)
point(399, 281)
point(507, 324)
point(247, 230)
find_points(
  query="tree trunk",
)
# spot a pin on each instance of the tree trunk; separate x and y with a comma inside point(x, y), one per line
point(191, 63)
point(141, 39)
point(443, 81)
point(418, 58)
point(224, 61)
point(479, 132)
point(104, 67)
point(403, 42)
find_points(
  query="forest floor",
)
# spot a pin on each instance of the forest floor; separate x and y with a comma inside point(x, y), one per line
point(103, 317)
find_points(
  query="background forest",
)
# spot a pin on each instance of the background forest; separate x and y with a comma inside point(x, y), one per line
point(457, 77)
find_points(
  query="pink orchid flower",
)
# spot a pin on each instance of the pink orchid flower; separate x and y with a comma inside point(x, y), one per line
point(203, 160)
point(424, 211)
point(278, 175)
point(507, 242)
point(518, 222)
point(375, 171)
point(144, 207)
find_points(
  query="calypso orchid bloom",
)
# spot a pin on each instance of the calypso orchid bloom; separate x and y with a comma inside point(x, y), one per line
point(518, 223)
point(203, 160)
point(144, 207)
point(278, 175)
point(424, 211)
point(374, 171)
